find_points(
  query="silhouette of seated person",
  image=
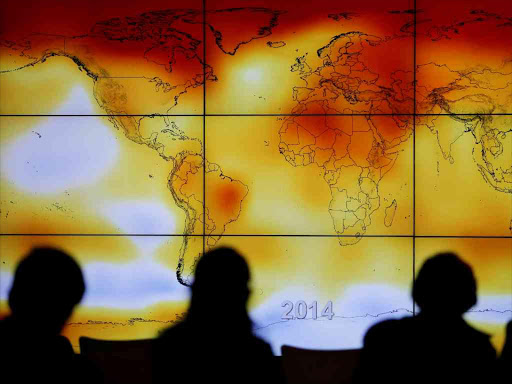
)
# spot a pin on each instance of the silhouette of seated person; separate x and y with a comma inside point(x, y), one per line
point(215, 342)
point(437, 345)
point(47, 285)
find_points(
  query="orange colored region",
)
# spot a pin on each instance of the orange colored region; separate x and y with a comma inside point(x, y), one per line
point(390, 128)
point(360, 146)
point(227, 197)
point(341, 145)
point(224, 197)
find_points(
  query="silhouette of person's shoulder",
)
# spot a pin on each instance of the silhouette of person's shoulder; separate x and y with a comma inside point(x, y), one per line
point(389, 326)
point(505, 361)
point(394, 329)
point(421, 327)
point(474, 335)
point(177, 330)
point(404, 345)
point(183, 331)
point(26, 355)
point(506, 353)
point(16, 337)
point(197, 350)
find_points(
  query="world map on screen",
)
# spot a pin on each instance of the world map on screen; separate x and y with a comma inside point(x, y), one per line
point(336, 145)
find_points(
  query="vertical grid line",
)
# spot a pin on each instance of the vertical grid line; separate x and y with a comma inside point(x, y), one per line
point(414, 163)
point(204, 126)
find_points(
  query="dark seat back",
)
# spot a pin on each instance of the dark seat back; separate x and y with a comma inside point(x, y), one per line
point(308, 366)
point(120, 361)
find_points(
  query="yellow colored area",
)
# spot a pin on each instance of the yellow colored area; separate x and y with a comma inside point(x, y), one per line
point(490, 259)
point(40, 89)
point(322, 267)
point(452, 197)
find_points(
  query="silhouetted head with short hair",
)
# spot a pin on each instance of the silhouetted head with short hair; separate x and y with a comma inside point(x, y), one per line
point(445, 285)
point(48, 284)
point(221, 287)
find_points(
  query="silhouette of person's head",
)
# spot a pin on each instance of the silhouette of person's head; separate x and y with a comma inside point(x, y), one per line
point(48, 284)
point(220, 287)
point(445, 285)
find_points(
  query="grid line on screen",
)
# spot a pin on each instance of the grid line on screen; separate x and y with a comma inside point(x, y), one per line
point(414, 162)
point(254, 114)
point(258, 235)
point(204, 126)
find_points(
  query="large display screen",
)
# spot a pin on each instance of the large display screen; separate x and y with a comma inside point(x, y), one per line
point(335, 144)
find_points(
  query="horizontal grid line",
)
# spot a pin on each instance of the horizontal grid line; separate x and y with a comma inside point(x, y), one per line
point(258, 235)
point(257, 114)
